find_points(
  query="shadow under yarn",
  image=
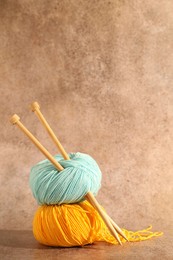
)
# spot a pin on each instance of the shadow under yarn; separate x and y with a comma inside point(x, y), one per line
point(19, 239)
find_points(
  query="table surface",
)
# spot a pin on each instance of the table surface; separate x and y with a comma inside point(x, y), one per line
point(15, 244)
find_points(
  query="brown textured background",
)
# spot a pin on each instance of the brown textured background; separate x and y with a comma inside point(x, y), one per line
point(102, 72)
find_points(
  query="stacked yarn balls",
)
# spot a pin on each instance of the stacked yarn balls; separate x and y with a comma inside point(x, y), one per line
point(64, 218)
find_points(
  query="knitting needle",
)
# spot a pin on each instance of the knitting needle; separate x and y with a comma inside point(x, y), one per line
point(15, 120)
point(36, 108)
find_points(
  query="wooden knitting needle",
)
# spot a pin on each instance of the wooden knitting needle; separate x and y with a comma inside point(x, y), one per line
point(36, 108)
point(15, 120)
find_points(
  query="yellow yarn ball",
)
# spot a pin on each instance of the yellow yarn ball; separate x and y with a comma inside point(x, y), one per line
point(69, 225)
point(79, 224)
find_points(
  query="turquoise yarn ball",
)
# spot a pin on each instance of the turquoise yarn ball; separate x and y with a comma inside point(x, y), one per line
point(81, 174)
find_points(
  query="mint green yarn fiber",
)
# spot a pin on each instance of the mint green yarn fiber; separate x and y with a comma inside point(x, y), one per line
point(81, 174)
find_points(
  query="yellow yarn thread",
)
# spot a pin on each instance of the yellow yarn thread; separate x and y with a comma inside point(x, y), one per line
point(79, 224)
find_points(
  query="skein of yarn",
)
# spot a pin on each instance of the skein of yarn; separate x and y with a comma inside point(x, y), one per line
point(69, 225)
point(81, 174)
point(79, 224)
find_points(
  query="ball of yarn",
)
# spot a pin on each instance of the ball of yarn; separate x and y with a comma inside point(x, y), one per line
point(79, 224)
point(69, 225)
point(81, 174)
